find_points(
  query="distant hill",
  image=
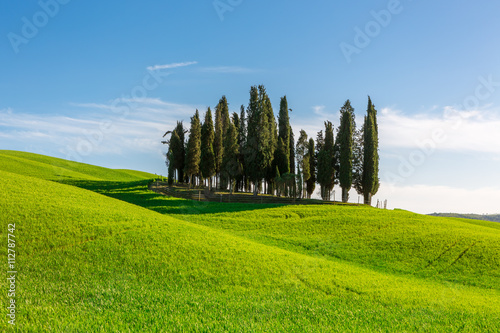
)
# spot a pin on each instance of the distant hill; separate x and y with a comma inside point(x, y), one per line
point(491, 218)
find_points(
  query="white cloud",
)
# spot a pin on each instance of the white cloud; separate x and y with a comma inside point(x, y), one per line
point(475, 130)
point(170, 66)
point(428, 199)
point(449, 130)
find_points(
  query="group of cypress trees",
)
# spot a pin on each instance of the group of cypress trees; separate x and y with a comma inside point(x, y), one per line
point(250, 151)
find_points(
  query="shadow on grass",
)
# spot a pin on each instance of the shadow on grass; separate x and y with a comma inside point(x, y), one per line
point(137, 193)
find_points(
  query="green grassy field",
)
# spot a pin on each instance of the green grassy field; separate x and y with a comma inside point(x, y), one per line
point(96, 251)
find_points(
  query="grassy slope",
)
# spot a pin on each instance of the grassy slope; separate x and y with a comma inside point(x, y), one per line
point(88, 262)
point(51, 168)
point(395, 242)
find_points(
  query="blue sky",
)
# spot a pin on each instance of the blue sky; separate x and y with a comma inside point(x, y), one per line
point(78, 80)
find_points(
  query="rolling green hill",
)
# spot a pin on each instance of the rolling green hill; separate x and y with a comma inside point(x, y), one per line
point(56, 169)
point(96, 251)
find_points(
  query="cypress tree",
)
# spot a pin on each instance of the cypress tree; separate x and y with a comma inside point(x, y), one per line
point(279, 182)
point(253, 155)
point(218, 142)
point(283, 152)
point(320, 141)
point(326, 170)
point(242, 137)
point(281, 157)
point(269, 137)
point(242, 131)
point(300, 182)
point(345, 142)
point(237, 124)
point(311, 182)
point(224, 109)
point(302, 159)
point(239, 177)
point(178, 151)
point(193, 149)
point(230, 163)
point(292, 189)
point(357, 164)
point(207, 163)
point(170, 165)
point(370, 181)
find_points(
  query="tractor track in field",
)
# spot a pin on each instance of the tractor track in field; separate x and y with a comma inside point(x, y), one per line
point(460, 256)
point(443, 253)
point(328, 292)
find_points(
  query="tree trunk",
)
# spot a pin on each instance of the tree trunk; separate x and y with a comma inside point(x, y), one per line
point(368, 198)
point(345, 194)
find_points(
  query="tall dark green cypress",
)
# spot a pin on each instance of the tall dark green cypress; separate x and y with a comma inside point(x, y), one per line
point(171, 169)
point(242, 139)
point(370, 180)
point(207, 163)
point(311, 182)
point(253, 155)
point(326, 170)
point(283, 151)
point(223, 106)
point(224, 109)
point(193, 154)
point(237, 125)
point(345, 142)
point(231, 166)
point(292, 190)
point(270, 143)
point(178, 150)
point(218, 142)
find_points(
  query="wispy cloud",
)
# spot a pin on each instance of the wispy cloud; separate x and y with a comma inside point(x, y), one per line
point(227, 70)
point(170, 66)
point(117, 127)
